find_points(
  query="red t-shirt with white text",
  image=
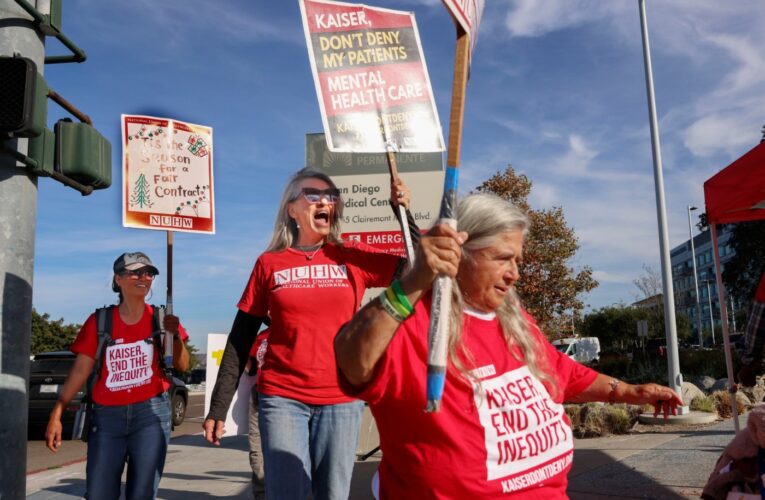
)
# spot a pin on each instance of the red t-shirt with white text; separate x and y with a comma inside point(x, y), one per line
point(130, 370)
point(503, 436)
point(309, 297)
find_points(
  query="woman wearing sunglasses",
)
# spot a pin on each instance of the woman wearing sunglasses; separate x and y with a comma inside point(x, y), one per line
point(310, 282)
point(131, 409)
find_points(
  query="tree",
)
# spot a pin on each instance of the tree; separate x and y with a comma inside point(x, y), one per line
point(48, 335)
point(549, 287)
point(743, 271)
point(193, 359)
point(613, 325)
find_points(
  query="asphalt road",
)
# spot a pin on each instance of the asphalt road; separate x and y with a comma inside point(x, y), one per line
point(40, 458)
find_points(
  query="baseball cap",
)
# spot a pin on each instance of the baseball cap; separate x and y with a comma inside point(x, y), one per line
point(133, 260)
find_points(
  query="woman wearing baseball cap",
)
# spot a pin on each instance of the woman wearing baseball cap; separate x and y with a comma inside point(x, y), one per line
point(131, 418)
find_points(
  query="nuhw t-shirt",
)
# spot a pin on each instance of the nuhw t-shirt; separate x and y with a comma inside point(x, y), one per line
point(502, 434)
point(130, 370)
point(309, 297)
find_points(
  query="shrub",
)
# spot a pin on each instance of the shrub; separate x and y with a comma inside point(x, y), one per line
point(704, 403)
point(722, 402)
point(597, 419)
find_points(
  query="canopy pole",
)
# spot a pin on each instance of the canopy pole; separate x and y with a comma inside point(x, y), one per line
point(732, 386)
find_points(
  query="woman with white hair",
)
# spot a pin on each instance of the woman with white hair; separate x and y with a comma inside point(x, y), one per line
point(501, 429)
point(309, 282)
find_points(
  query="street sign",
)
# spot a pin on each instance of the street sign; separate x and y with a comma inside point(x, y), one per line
point(371, 80)
point(642, 328)
point(167, 175)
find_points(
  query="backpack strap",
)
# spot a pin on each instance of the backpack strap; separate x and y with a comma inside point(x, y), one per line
point(104, 328)
point(158, 319)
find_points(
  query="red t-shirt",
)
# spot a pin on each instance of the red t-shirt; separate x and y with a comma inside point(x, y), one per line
point(130, 371)
point(503, 436)
point(309, 297)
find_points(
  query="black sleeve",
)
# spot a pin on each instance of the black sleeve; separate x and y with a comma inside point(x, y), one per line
point(238, 346)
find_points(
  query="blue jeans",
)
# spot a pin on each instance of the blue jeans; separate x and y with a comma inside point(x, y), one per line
point(138, 433)
point(308, 448)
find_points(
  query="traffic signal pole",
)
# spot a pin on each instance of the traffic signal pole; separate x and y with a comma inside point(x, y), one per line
point(18, 207)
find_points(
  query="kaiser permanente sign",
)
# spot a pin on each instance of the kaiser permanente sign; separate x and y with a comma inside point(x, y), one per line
point(364, 182)
point(371, 78)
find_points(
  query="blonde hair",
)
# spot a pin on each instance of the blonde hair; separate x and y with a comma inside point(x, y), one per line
point(285, 227)
point(485, 217)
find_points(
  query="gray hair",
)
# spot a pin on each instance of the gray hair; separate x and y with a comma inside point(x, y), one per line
point(485, 217)
point(285, 227)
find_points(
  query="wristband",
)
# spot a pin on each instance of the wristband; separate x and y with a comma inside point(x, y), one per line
point(398, 306)
point(401, 296)
point(614, 383)
point(388, 307)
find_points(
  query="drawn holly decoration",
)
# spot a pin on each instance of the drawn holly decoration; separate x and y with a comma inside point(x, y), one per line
point(193, 203)
point(146, 134)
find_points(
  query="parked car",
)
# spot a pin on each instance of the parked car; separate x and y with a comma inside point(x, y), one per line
point(581, 349)
point(48, 372)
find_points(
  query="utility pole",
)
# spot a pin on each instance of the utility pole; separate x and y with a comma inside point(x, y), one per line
point(18, 210)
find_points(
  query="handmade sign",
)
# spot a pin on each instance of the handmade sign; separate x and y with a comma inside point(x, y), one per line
point(167, 175)
point(371, 79)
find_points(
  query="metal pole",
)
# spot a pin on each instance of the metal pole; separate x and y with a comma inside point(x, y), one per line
point(711, 315)
point(695, 278)
point(18, 192)
point(673, 360)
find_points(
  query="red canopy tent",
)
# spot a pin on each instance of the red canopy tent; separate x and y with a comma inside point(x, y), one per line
point(734, 194)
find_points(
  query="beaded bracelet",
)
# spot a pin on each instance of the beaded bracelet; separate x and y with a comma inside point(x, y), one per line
point(389, 308)
point(401, 296)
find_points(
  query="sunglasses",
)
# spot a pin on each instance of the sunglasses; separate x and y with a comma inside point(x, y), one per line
point(314, 195)
point(139, 273)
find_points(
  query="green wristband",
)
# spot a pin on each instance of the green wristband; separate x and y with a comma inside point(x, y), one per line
point(388, 307)
point(391, 296)
point(401, 296)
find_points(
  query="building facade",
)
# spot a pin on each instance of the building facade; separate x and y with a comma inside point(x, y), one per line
point(682, 277)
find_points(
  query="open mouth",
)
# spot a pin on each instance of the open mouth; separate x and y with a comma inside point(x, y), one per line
point(321, 217)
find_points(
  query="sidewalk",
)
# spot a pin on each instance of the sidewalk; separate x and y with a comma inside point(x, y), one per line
point(666, 465)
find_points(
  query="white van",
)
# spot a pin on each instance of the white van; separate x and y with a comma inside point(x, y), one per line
point(583, 349)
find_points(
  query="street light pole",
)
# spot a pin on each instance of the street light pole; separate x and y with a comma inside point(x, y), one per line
point(711, 315)
point(670, 330)
point(695, 276)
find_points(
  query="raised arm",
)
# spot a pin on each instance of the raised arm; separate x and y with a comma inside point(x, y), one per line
point(364, 339)
point(180, 354)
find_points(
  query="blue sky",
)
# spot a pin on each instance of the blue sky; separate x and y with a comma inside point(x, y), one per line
point(557, 89)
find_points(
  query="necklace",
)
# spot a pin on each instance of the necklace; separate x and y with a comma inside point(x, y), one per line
point(309, 248)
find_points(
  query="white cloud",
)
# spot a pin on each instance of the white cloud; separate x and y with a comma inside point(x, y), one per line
point(531, 18)
point(713, 133)
point(608, 277)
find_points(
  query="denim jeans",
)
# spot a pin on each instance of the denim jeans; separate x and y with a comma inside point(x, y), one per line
point(138, 434)
point(308, 448)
